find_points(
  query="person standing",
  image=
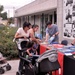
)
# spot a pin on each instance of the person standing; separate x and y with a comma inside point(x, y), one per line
point(33, 30)
point(52, 31)
point(23, 31)
point(32, 35)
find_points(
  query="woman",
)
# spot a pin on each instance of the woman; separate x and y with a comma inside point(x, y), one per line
point(23, 31)
point(32, 35)
point(33, 30)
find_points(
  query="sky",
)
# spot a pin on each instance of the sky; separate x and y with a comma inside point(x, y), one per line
point(11, 5)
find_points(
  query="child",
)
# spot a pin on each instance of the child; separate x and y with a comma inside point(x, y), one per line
point(33, 50)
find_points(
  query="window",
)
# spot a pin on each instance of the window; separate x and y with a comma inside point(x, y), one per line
point(55, 17)
point(50, 17)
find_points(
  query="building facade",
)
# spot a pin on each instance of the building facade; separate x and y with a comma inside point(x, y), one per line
point(40, 11)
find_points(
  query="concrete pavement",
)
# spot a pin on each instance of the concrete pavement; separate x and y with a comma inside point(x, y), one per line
point(14, 64)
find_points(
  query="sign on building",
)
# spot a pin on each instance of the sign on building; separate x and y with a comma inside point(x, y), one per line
point(69, 18)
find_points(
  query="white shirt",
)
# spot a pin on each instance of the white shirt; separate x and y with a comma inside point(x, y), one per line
point(22, 32)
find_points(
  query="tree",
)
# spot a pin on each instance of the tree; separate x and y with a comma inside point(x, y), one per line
point(4, 14)
point(1, 8)
point(10, 20)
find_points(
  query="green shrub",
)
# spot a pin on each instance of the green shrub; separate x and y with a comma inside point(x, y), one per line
point(7, 46)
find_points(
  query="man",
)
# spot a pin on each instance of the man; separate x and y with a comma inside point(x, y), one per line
point(52, 31)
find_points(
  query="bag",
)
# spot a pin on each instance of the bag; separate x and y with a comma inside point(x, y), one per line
point(51, 39)
point(29, 71)
point(47, 66)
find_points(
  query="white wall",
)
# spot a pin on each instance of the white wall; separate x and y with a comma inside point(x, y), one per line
point(60, 20)
point(36, 6)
